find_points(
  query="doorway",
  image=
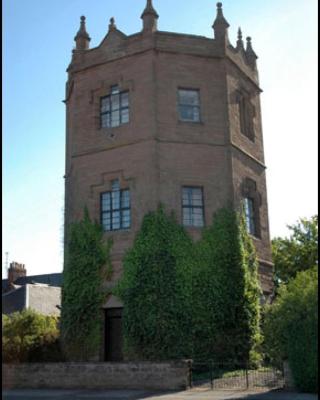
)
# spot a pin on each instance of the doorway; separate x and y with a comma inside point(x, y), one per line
point(113, 335)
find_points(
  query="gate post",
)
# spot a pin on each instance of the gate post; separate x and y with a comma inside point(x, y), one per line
point(189, 363)
point(211, 374)
point(247, 375)
point(287, 376)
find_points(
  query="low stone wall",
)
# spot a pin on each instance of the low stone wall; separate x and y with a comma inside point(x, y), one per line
point(140, 375)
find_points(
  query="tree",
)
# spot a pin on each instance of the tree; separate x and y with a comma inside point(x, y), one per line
point(290, 328)
point(156, 291)
point(226, 291)
point(297, 253)
point(28, 335)
point(87, 265)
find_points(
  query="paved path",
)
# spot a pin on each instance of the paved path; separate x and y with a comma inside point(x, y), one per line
point(142, 395)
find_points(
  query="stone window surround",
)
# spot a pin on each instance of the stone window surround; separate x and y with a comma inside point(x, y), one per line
point(247, 113)
point(104, 184)
point(120, 110)
point(249, 212)
point(249, 190)
point(103, 90)
point(202, 207)
point(193, 89)
point(112, 210)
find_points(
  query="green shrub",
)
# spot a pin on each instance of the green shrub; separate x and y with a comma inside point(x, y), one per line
point(297, 253)
point(156, 291)
point(87, 265)
point(29, 336)
point(47, 350)
point(290, 328)
point(226, 292)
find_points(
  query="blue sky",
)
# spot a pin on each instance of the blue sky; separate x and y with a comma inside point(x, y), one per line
point(37, 44)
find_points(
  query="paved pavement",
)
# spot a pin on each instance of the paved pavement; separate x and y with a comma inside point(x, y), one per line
point(196, 394)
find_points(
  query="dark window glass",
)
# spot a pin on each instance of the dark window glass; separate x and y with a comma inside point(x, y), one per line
point(115, 208)
point(114, 109)
point(189, 105)
point(249, 215)
point(192, 207)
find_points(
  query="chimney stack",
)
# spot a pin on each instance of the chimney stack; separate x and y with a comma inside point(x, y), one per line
point(16, 271)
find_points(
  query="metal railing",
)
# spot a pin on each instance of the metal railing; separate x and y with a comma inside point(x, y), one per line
point(234, 376)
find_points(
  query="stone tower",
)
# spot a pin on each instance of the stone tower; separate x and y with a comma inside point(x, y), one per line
point(164, 117)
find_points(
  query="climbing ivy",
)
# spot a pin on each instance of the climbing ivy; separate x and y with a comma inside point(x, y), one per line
point(226, 291)
point(87, 265)
point(156, 289)
point(191, 300)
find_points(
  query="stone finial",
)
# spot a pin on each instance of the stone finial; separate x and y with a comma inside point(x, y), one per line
point(82, 37)
point(220, 25)
point(150, 18)
point(240, 44)
point(251, 55)
point(112, 25)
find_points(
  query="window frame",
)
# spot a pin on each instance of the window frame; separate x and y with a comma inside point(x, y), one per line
point(114, 91)
point(250, 215)
point(189, 105)
point(193, 207)
point(112, 210)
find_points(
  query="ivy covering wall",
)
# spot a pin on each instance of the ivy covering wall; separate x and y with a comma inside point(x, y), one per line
point(226, 292)
point(190, 300)
point(87, 265)
point(156, 289)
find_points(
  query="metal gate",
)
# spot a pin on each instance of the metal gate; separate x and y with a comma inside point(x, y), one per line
point(234, 376)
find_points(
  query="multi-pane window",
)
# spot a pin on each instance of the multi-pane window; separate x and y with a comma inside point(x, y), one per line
point(192, 206)
point(250, 215)
point(115, 208)
point(189, 105)
point(114, 109)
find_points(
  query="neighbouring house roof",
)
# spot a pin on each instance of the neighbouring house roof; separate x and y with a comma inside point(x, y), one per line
point(38, 297)
point(14, 300)
point(48, 279)
point(54, 279)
